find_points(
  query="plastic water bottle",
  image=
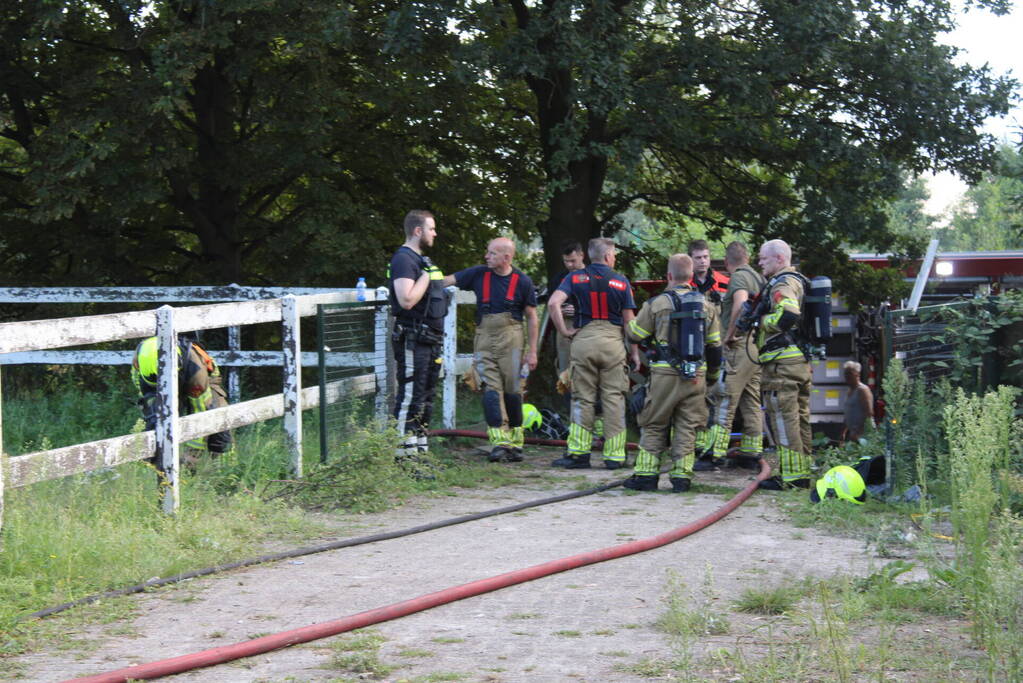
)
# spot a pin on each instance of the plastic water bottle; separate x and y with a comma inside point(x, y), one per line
point(524, 371)
point(360, 289)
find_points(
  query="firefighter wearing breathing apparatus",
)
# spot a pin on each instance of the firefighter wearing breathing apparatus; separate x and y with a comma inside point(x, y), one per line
point(794, 324)
point(740, 388)
point(681, 330)
point(200, 386)
point(418, 303)
point(504, 297)
point(603, 304)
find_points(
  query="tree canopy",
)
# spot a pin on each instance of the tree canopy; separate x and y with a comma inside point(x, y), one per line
point(242, 141)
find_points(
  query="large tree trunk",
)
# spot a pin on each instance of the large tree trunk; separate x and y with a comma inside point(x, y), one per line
point(573, 211)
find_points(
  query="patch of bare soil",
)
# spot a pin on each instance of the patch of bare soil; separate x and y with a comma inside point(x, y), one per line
point(596, 623)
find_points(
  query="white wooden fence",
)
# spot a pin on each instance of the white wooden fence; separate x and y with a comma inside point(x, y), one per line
point(24, 340)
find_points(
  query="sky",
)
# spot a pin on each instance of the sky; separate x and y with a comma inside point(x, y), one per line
point(984, 38)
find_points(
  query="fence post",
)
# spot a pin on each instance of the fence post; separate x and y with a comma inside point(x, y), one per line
point(292, 347)
point(380, 356)
point(234, 343)
point(450, 358)
point(167, 428)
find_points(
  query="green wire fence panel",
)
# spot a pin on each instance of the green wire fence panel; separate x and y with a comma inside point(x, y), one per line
point(918, 339)
point(355, 358)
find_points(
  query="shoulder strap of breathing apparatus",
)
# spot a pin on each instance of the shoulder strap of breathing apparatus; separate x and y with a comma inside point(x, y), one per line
point(813, 330)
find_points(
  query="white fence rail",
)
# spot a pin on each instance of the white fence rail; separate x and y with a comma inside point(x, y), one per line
point(35, 341)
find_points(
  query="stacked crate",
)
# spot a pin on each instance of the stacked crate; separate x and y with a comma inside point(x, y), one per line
point(827, 396)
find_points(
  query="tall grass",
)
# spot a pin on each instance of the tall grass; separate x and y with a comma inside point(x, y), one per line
point(84, 534)
point(989, 536)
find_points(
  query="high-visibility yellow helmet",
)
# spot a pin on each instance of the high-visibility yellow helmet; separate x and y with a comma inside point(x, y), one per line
point(145, 358)
point(531, 417)
point(840, 482)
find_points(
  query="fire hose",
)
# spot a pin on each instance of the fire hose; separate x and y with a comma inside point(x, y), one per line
point(268, 643)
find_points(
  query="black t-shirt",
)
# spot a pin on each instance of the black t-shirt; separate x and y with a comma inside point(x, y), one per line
point(406, 263)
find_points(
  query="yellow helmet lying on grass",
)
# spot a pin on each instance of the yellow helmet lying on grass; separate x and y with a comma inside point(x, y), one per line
point(531, 417)
point(841, 482)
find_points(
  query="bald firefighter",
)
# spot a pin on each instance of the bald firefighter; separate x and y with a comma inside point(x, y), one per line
point(740, 390)
point(200, 387)
point(604, 305)
point(681, 330)
point(504, 297)
point(785, 380)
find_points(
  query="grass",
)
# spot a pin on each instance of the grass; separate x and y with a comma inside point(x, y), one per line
point(359, 653)
point(80, 535)
point(769, 601)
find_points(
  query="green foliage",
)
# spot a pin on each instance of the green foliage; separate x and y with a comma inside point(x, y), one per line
point(242, 142)
point(155, 143)
point(986, 336)
point(359, 653)
point(44, 420)
point(93, 532)
point(989, 536)
point(990, 215)
point(690, 614)
point(774, 600)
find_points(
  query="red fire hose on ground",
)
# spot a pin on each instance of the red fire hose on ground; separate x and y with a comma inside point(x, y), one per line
point(220, 655)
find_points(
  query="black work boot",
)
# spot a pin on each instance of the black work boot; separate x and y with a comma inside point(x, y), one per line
point(564, 461)
point(579, 462)
point(514, 455)
point(708, 464)
point(642, 482)
point(680, 484)
point(498, 453)
point(613, 464)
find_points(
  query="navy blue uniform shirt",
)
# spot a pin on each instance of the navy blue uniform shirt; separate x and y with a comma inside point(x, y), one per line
point(497, 293)
point(599, 293)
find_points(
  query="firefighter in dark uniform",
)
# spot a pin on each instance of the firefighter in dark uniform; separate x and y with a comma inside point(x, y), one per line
point(504, 296)
point(684, 359)
point(741, 382)
point(785, 382)
point(604, 305)
point(200, 385)
point(418, 304)
point(713, 285)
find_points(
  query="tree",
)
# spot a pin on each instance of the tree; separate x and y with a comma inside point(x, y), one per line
point(774, 119)
point(990, 215)
point(238, 141)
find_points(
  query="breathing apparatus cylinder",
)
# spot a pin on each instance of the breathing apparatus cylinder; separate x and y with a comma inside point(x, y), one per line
point(817, 315)
point(686, 332)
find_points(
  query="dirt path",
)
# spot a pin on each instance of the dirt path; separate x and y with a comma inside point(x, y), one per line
point(589, 624)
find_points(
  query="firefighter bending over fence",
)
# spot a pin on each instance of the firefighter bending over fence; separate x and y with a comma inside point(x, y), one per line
point(199, 385)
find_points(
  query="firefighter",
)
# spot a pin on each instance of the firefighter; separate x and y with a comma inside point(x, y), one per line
point(713, 285)
point(573, 258)
point(740, 387)
point(675, 407)
point(504, 297)
point(199, 384)
point(785, 379)
point(418, 303)
point(604, 304)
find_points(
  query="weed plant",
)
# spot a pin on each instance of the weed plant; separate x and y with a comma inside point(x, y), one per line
point(770, 601)
point(989, 536)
